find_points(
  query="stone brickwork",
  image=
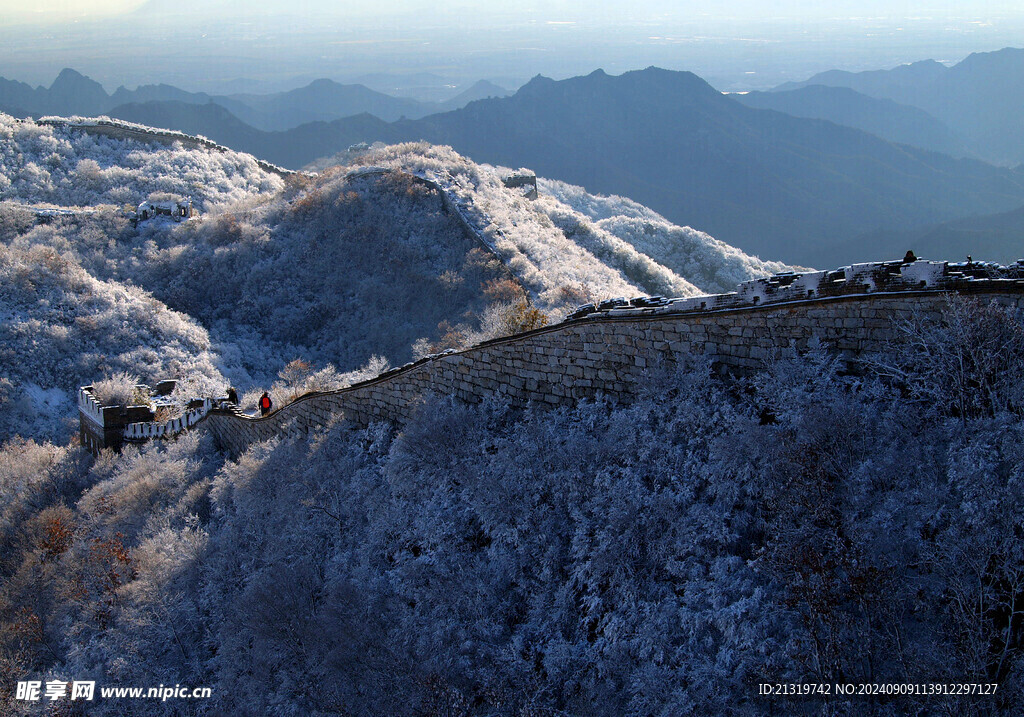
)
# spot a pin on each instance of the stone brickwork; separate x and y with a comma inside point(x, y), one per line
point(110, 426)
point(614, 350)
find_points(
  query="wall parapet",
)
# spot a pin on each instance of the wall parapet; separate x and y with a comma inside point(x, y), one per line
point(122, 129)
point(110, 426)
point(613, 348)
point(145, 430)
point(857, 279)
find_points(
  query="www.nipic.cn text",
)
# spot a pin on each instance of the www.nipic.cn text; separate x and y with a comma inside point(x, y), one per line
point(53, 690)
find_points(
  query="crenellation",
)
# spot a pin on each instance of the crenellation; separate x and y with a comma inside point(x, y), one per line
point(612, 353)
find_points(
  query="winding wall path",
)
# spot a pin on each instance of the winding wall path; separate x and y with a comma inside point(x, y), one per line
point(615, 350)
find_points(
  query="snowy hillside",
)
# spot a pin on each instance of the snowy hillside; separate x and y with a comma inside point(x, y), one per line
point(567, 237)
point(550, 262)
point(60, 165)
point(411, 250)
point(713, 265)
point(663, 556)
point(61, 328)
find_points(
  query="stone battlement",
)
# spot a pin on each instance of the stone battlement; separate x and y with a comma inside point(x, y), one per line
point(858, 279)
point(611, 349)
point(110, 426)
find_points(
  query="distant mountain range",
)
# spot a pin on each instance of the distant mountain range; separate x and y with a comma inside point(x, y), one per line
point(776, 185)
point(995, 237)
point(801, 189)
point(980, 98)
point(321, 100)
point(70, 93)
point(887, 119)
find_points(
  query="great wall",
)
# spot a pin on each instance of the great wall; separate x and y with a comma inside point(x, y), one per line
point(612, 348)
point(471, 221)
point(605, 349)
point(120, 129)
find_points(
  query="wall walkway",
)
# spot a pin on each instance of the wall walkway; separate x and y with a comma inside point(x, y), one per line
point(612, 350)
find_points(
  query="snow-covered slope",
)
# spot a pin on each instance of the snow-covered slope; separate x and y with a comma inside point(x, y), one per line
point(708, 263)
point(66, 166)
point(413, 250)
point(61, 328)
point(552, 264)
point(568, 238)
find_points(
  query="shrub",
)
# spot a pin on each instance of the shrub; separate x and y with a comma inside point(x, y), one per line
point(294, 375)
point(522, 316)
point(116, 390)
point(503, 291)
point(966, 364)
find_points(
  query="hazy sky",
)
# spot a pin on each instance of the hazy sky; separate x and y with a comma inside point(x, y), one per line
point(64, 10)
point(59, 10)
point(736, 44)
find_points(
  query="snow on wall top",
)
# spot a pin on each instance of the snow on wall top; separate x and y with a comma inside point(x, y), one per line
point(857, 279)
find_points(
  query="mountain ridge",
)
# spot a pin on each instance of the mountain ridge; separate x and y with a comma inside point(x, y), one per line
point(892, 121)
point(73, 93)
point(980, 97)
point(773, 184)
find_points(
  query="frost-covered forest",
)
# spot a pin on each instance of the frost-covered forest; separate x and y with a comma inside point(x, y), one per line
point(59, 165)
point(662, 556)
point(343, 271)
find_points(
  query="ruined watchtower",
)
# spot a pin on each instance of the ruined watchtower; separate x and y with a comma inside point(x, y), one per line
point(110, 426)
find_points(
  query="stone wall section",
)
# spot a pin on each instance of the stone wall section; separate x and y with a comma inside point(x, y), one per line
point(560, 364)
point(470, 220)
point(124, 130)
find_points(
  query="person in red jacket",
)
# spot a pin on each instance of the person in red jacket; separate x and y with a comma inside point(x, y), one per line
point(265, 404)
